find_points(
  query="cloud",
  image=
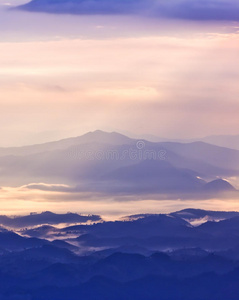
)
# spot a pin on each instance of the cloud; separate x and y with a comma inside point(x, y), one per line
point(89, 6)
point(179, 9)
point(200, 9)
point(15, 200)
point(47, 187)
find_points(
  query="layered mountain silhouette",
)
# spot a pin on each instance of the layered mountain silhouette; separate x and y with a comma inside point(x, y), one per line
point(11, 241)
point(156, 176)
point(111, 162)
point(47, 217)
point(97, 136)
point(151, 256)
point(199, 214)
point(227, 141)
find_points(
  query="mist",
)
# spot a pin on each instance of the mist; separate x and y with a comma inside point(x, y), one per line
point(107, 71)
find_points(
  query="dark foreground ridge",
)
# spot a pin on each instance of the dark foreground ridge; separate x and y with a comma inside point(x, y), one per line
point(161, 256)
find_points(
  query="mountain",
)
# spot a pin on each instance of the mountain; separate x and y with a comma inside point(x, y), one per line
point(218, 186)
point(46, 217)
point(160, 232)
point(155, 176)
point(130, 249)
point(188, 254)
point(86, 162)
point(201, 152)
point(49, 253)
point(13, 242)
point(192, 215)
point(228, 141)
point(147, 226)
point(44, 231)
point(225, 228)
point(97, 136)
point(138, 233)
point(147, 256)
point(122, 275)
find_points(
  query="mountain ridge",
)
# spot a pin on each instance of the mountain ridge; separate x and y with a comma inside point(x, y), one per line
point(46, 217)
point(86, 159)
point(65, 143)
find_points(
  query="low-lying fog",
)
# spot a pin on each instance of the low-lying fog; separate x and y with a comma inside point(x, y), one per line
point(20, 201)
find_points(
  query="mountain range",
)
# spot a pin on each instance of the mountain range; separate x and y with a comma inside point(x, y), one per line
point(227, 141)
point(151, 256)
point(46, 217)
point(114, 163)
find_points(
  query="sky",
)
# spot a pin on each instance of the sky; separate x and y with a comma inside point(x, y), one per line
point(22, 201)
point(64, 75)
point(168, 69)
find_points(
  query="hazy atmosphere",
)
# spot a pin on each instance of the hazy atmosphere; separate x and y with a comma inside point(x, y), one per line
point(63, 75)
point(148, 70)
point(119, 150)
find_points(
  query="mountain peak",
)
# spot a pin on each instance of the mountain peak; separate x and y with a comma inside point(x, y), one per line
point(105, 137)
point(218, 185)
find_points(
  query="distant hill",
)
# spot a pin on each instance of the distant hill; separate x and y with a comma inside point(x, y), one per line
point(87, 162)
point(155, 176)
point(45, 218)
point(217, 186)
point(97, 136)
point(225, 228)
point(14, 242)
point(229, 141)
point(191, 214)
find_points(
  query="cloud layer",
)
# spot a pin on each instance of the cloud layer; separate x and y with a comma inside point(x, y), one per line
point(199, 9)
point(179, 9)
